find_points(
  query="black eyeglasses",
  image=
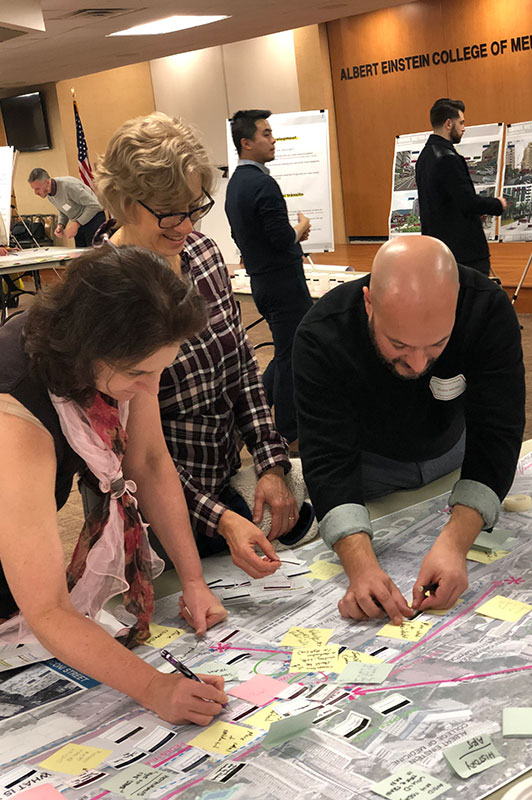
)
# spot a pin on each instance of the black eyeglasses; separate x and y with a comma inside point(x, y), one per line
point(171, 220)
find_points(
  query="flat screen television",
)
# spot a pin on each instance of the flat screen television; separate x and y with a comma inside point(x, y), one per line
point(25, 123)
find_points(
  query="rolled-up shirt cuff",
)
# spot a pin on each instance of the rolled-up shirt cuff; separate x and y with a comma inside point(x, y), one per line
point(478, 496)
point(343, 521)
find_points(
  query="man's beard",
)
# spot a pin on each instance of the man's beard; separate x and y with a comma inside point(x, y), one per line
point(456, 137)
point(391, 364)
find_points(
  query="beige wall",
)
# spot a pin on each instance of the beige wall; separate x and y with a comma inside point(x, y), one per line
point(311, 48)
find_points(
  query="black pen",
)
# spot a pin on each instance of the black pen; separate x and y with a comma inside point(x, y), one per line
point(184, 670)
point(180, 666)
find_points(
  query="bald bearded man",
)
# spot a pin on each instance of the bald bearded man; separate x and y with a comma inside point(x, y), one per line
point(401, 378)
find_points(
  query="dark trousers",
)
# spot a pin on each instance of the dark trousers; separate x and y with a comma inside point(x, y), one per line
point(482, 265)
point(282, 298)
point(86, 232)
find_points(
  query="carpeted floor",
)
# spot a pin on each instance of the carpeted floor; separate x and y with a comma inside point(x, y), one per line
point(70, 518)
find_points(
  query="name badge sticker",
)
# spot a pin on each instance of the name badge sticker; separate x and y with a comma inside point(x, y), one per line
point(447, 388)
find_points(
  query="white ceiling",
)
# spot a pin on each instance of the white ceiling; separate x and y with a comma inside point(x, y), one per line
point(75, 43)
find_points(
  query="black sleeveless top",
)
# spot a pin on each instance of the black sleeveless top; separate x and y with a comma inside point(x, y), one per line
point(31, 392)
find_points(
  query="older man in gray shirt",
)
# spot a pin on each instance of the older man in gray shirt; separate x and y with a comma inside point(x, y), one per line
point(80, 213)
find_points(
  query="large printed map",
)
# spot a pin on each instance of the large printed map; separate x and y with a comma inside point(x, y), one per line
point(449, 682)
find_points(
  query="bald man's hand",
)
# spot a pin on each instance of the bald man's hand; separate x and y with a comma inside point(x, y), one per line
point(371, 594)
point(442, 578)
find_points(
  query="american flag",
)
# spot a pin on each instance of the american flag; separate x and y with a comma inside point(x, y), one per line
point(84, 164)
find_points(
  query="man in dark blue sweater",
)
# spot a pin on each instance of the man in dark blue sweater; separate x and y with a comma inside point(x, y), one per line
point(390, 372)
point(271, 253)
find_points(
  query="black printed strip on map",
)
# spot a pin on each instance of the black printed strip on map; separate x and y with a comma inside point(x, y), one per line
point(396, 707)
point(245, 714)
point(21, 778)
point(362, 725)
point(128, 735)
point(196, 763)
point(229, 636)
point(126, 759)
point(240, 657)
point(80, 781)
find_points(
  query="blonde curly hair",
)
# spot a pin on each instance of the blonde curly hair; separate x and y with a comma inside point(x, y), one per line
point(151, 159)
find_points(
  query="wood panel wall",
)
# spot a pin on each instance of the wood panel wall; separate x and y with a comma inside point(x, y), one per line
point(373, 109)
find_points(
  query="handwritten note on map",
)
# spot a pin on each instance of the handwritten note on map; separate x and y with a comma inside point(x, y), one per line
point(73, 759)
point(355, 672)
point(409, 630)
point(355, 655)
point(323, 570)
point(486, 558)
point(161, 636)
point(472, 756)
point(264, 718)
point(139, 781)
point(223, 738)
point(306, 637)
point(500, 607)
point(410, 783)
point(315, 659)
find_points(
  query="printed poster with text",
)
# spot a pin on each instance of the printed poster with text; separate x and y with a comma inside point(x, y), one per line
point(302, 169)
point(481, 146)
point(516, 221)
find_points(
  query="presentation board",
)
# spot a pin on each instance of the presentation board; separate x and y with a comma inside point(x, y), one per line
point(516, 222)
point(6, 175)
point(481, 146)
point(302, 169)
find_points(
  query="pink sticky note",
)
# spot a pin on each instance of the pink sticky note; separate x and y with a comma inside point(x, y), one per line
point(258, 690)
point(44, 791)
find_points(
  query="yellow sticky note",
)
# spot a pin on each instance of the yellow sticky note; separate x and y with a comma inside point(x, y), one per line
point(347, 656)
point(486, 558)
point(440, 612)
point(73, 759)
point(408, 630)
point(264, 718)
point(323, 570)
point(306, 637)
point(223, 737)
point(161, 636)
point(504, 608)
point(315, 659)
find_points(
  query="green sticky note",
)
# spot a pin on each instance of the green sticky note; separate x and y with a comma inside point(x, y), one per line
point(410, 783)
point(517, 722)
point(472, 756)
point(359, 672)
point(288, 728)
point(139, 781)
point(488, 542)
point(226, 671)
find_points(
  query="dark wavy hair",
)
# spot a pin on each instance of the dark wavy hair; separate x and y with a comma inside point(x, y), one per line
point(444, 109)
point(118, 305)
point(244, 125)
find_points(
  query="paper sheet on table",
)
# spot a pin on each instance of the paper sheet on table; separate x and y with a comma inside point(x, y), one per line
point(410, 783)
point(45, 791)
point(315, 659)
point(488, 542)
point(306, 637)
point(472, 756)
point(324, 570)
point(73, 759)
point(500, 607)
point(346, 656)
point(223, 738)
point(517, 722)
point(138, 781)
point(409, 630)
point(161, 636)
point(355, 672)
point(288, 728)
point(486, 558)
point(259, 690)
point(226, 671)
point(264, 718)
point(439, 612)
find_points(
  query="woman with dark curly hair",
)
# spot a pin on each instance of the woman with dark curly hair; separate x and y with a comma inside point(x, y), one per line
point(79, 376)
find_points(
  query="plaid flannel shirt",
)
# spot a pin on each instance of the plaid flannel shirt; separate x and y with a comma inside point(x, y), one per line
point(212, 396)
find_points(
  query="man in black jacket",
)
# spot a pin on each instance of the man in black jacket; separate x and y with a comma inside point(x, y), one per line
point(449, 207)
point(271, 254)
point(390, 372)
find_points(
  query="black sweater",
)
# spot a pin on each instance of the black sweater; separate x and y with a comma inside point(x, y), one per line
point(449, 207)
point(257, 213)
point(348, 400)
